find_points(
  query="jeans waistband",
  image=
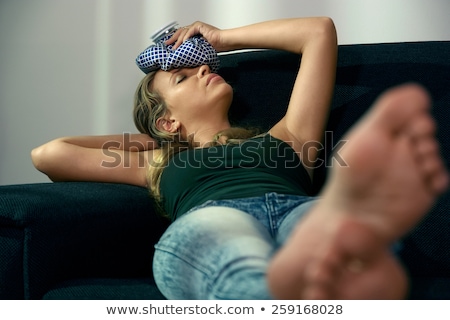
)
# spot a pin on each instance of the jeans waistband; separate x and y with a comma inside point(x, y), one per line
point(270, 209)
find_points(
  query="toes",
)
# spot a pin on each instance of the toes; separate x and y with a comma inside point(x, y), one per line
point(426, 147)
point(440, 180)
point(396, 107)
point(431, 165)
point(422, 126)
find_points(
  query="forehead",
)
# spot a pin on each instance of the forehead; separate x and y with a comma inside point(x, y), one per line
point(162, 79)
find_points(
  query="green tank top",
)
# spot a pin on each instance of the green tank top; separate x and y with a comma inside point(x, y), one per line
point(252, 168)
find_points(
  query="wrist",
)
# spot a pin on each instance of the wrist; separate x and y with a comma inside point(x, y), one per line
point(137, 142)
point(231, 39)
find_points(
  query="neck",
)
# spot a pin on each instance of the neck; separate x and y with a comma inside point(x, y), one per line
point(205, 135)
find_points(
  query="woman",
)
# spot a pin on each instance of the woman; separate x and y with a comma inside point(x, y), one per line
point(245, 226)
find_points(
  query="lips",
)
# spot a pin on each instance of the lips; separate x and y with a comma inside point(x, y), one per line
point(211, 77)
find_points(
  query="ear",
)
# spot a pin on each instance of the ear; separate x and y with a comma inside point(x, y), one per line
point(168, 125)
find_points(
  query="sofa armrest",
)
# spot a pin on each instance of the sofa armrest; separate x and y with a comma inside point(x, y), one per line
point(52, 232)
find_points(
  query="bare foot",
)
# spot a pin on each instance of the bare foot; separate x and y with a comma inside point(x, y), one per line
point(342, 248)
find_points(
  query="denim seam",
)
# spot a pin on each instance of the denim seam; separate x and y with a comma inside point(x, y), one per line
point(193, 263)
point(269, 210)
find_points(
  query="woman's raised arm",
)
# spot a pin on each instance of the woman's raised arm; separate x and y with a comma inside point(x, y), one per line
point(111, 158)
point(315, 40)
point(305, 121)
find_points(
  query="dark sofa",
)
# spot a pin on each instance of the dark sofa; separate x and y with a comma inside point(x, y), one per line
point(95, 241)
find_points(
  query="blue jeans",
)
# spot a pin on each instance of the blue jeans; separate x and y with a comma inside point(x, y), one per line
point(221, 249)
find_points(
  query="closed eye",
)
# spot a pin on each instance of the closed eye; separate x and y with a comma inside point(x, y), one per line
point(180, 79)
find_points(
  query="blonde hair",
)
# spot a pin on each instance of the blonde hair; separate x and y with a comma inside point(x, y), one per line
point(148, 107)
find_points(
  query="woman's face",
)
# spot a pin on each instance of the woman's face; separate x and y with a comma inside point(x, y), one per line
point(193, 94)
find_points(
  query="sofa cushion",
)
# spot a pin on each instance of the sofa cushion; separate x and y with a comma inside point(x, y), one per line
point(105, 289)
point(72, 230)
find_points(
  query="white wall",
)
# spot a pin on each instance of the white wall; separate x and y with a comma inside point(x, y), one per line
point(67, 66)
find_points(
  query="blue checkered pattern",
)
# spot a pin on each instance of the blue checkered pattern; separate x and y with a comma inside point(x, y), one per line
point(193, 52)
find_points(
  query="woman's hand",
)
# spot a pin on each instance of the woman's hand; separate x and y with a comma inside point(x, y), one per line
point(293, 35)
point(210, 33)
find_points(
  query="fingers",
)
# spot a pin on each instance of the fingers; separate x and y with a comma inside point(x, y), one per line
point(177, 38)
point(210, 33)
point(181, 35)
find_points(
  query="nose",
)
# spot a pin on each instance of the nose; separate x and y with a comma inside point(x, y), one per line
point(203, 71)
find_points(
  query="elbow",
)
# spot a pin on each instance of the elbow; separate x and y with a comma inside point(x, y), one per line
point(327, 29)
point(37, 157)
point(43, 158)
point(321, 36)
point(327, 22)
